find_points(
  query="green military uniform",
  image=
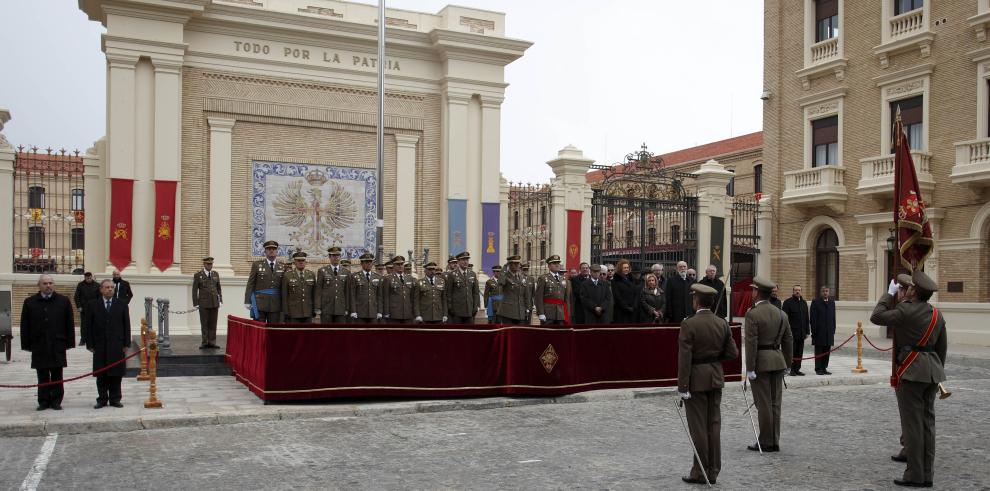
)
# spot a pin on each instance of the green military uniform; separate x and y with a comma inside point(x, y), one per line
point(366, 293)
point(920, 374)
point(531, 283)
point(768, 350)
point(463, 293)
point(298, 292)
point(397, 293)
point(264, 288)
point(332, 286)
point(493, 294)
point(429, 298)
point(703, 342)
point(207, 296)
point(515, 295)
point(552, 286)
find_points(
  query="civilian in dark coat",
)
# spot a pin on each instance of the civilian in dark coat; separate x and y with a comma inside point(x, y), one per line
point(652, 301)
point(775, 299)
point(822, 329)
point(106, 329)
point(797, 314)
point(625, 294)
point(710, 279)
point(122, 289)
point(47, 330)
point(678, 292)
point(596, 298)
point(576, 282)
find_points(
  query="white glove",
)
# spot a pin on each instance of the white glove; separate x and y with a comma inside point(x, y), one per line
point(353, 315)
point(444, 319)
point(221, 304)
point(751, 375)
point(418, 318)
point(685, 395)
point(318, 311)
point(379, 316)
point(893, 288)
point(386, 315)
point(542, 317)
point(247, 306)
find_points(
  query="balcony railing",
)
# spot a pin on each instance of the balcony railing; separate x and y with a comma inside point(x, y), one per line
point(878, 173)
point(824, 51)
point(907, 23)
point(972, 163)
point(818, 186)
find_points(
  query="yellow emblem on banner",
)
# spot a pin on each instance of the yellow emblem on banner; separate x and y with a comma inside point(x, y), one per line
point(549, 358)
point(120, 231)
point(573, 249)
point(491, 243)
point(716, 253)
point(164, 231)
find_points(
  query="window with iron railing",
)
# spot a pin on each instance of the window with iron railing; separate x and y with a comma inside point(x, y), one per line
point(912, 118)
point(826, 19)
point(651, 234)
point(905, 6)
point(825, 141)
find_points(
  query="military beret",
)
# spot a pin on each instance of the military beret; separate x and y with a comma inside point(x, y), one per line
point(513, 259)
point(207, 259)
point(464, 255)
point(905, 280)
point(763, 284)
point(431, 265)
point(924, 282)
point(271, 243)
point(334, 251)
point(554, 259)
point(496, 268)
point(299, 255)
point(398, 259)
point(700, 289)
point(367, 257)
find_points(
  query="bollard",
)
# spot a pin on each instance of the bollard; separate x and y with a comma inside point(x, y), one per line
point(859, 349)
point(161, 318)
point(147, 309)
point(166, 341)
point(143, 374)
point(153, 401)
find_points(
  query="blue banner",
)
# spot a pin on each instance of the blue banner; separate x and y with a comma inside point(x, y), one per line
point(490, 237)
point(456, 226)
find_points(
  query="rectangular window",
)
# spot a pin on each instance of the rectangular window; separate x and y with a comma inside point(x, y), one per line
point(529, 251)
point(78, 239)
point(36, 237)
point(515, 220)
point(675, 234)
point(630, 238)
point(905, 6)
point(826, 19)
point(543, 249)
point(912, 117)
point(730, 188)
point(651, 233)
point(825, 141)
point(36, 197)
point(543, 215)
point(529, 217)
point(515, 249)
point(758, 178)
point(78, 197)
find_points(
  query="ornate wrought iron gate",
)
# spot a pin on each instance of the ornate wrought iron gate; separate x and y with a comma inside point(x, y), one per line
point(745, 239)
point(530, 209)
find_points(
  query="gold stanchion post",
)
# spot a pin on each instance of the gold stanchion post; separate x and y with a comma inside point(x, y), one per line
point(143, 357)
point(859, 349)
point(153, 401)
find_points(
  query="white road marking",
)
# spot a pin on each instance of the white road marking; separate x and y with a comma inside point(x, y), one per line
point(456, 434)
point(40, 464)
point(529, 461)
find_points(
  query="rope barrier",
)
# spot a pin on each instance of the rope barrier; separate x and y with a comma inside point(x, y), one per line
point(820, 355)
point(177, 312)
point(875, 346)
point(73, 379)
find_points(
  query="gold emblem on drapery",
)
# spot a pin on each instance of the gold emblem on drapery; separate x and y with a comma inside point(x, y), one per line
point(549, 358)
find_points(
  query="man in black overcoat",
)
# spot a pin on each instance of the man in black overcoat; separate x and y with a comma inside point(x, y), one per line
point(797, 314)
point(47, 330)
point(576, 281)
point(596, 298)
point(106, 329)
point(711, 280)
point(822, 329)
point(679, 295)
point(122, 288)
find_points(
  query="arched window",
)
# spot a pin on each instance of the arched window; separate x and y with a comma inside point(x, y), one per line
point(827, 262)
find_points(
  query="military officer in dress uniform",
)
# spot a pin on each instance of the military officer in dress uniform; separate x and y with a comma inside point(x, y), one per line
point(298, 291)
point(380, 268)
point(389, 267)
point(921, 350)
point(346, 264)
point(513, 309)
point(208, 297)
point(366, 292)
point(451, 264)
point(262, 295)
point(550, 289)
point(768, 350)
point(493, 293)
point(463, 292)
point(332, 286)
point(397, 292)
point(429, 297)
point(531, 282)
point(704, 341)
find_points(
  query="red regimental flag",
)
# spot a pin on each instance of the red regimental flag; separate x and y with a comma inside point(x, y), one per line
point(573, 259)
point(914, 233)
point(121, 200)
point(163, 253)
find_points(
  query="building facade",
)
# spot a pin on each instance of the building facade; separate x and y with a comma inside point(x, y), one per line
point(836, 74)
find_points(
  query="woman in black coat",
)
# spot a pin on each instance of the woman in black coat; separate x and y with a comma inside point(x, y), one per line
point(652, 302)
point(626, 295)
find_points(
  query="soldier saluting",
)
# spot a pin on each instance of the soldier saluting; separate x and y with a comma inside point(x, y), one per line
point(397, 290)
point(298, 289)
point(493, 293)
point(429, 297)
point(768, 348)
point(262, 294)
point(366, 292)
point(463, 291)
point(552, 295)
point(920, 349)
point(332, 285)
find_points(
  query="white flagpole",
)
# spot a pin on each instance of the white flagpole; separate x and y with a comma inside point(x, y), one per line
point(380, 225)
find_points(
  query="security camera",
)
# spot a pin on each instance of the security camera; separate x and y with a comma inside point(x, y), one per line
point(765, 95)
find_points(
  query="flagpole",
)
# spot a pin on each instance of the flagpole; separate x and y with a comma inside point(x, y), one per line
point(380, 205)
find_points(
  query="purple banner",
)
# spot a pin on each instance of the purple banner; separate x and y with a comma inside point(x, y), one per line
point(489, 240)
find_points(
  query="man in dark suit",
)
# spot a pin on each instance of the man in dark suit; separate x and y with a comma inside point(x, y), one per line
point(208, 297)
point(47, 330)
point(920, 348)
point(106, 329)
point(822, 329)
point(797, 315)
point(704, 341)
point(577, 316)
point(715, 282)
point(678, 297)
point(596, 298)
point(86, 291)
point(122, 289)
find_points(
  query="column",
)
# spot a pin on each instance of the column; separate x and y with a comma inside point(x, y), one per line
point(6, 205)
point(714, 217)
point(503, 226)
point(405, 193)
point(143, 213)
point(764, 228)
point(492, 216)
point(570, 192)
point(872, 264)
point(455, 159)
point(221, 134)
point(97, 216)
point(168, 137)
point(121, 120)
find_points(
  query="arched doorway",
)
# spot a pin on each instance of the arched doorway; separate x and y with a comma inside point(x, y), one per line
point(827, 262)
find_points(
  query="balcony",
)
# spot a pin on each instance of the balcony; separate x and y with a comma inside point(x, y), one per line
point(878, 174)
point(821, 58)
point(818, 186)
point(905, 32)
point(972, 166)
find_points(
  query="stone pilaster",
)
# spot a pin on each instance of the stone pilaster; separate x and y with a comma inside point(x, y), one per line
point(97, 230)
point(570, 191)
point(764, 228)
point(6, 205)
point(221, 136)
point(713, 202)
point(405, 211)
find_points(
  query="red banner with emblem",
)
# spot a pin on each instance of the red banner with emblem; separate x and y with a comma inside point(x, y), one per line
point(121, 202)
point(914, 233)
point(573, 240)
point(163, 254)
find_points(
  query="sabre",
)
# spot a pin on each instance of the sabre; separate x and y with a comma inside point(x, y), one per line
point(751, 419)
point(677, 405)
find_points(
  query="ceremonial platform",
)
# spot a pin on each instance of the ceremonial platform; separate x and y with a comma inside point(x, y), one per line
point(280, 362)
point(183, 358)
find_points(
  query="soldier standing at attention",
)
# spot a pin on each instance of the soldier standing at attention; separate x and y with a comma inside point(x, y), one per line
point(389, 267)
point(380, 268)
point(451, 264)
point(493, 293)
point(463, 292)
point(208, 297)
point(332, 285)
point(704, 341)
point(262, 295)
point(552, 294)
point(397, 291)
point(429, 298)
point(515, 293)
point(531, 283)
point(366, 292)
point(298, 289)
point(921, 350)
point(769, 347)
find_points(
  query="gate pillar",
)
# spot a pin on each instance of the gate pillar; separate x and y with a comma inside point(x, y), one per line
point(714, 218)
point(570, 221)
point(6, 205)
point(764, 228)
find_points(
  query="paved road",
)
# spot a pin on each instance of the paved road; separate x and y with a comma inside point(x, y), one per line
point(833, 438)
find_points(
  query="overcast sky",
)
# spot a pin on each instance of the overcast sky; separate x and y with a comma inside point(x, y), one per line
point(603, 76)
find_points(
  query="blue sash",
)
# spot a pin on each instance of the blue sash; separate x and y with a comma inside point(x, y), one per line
point(254, 302)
